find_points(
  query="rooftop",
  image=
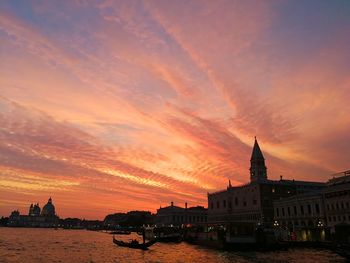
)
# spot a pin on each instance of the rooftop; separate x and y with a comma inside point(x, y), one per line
point(272, 182)
point(340, 178)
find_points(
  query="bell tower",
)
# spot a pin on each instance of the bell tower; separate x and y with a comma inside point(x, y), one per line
point(257, 164)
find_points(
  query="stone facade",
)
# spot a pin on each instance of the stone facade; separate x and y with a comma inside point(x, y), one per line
point(175, 215)
point(301, 216)
point(337, 201)
point(251, 205)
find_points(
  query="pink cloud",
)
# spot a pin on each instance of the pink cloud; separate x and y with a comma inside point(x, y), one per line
point(137, 104)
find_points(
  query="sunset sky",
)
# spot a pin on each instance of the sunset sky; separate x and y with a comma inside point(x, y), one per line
point(110, 106)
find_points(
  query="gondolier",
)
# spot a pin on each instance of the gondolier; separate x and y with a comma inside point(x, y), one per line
point(134, 244)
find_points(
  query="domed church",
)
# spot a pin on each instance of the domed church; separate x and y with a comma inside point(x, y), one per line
point(36, 217)
point(34, 210)
point(48, 209)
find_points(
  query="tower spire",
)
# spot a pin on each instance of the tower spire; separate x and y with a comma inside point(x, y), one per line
point(257, 163)
point(256, 153)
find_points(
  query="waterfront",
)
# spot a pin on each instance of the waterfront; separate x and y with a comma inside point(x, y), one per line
point(49, 245)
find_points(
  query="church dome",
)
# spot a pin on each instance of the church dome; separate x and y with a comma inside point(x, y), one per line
point(48, 209)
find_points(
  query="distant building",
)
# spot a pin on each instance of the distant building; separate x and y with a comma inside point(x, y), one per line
point(302, 216)
point(337, 200)
point(337, 206)
point(240, 209)
point(310, 216)
point(34, 210)
point(175, 215)
point(48, 209)
point(36, 217)
point(129, 219)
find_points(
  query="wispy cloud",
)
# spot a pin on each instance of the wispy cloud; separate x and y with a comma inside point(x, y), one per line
point(116, 105)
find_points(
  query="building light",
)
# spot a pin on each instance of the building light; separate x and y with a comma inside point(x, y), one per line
point(320, 224)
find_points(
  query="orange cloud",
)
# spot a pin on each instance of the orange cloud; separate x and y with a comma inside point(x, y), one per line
point(116, 106)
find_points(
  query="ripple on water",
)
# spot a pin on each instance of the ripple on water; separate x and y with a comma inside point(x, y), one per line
point(45, 245)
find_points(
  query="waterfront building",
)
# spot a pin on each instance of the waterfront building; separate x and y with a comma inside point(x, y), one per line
point(48, 209)
point(310, 216)
point(34, 210)
point(175, 215)
point(239, 210)
point(36, 217)
point(300, 217)
point(336, 198)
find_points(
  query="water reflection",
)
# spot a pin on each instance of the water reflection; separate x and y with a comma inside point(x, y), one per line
point(49, 245)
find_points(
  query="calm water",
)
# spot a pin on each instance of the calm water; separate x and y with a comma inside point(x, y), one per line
point(49, 245)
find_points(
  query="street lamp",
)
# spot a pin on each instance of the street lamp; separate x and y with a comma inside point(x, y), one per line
point(320, 224)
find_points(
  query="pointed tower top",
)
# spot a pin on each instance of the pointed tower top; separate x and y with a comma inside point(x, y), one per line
point(256, 153)
point(229, 183)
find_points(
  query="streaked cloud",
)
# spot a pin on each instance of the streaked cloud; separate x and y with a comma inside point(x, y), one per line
point(116, 105)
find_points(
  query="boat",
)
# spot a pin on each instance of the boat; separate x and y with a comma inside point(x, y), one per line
point(168, 234)
point(134, 244)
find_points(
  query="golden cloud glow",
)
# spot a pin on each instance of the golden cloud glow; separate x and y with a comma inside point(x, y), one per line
point(122, 105)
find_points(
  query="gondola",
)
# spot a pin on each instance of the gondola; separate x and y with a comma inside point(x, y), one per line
point(134, 244)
